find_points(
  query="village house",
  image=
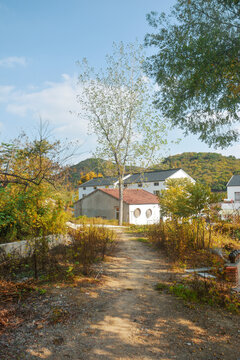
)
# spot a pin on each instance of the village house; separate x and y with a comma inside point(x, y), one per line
point(231, 205)
point(108, 182)
point(152, 181)
point(140, 207)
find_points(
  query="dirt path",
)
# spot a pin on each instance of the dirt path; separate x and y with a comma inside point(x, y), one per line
point(125, 318)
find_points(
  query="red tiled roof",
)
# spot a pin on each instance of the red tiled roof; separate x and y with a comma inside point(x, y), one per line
point(133, 196)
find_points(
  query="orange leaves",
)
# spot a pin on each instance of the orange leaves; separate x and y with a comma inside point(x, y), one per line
point(88, 176)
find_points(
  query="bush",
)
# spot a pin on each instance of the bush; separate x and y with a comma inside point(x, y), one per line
point(230, 229)
point(89, 244)
point(189, 239)
point(31, 212)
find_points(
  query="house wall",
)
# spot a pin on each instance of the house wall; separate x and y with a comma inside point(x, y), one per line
point(142, 219)
point(230, 206)
point(89, 189)
point(231, 190)
point(148, 186)
point(99, 204)
point(154, 189)
point(181, 174)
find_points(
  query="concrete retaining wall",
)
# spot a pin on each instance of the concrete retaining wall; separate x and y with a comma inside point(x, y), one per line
point(24, 248)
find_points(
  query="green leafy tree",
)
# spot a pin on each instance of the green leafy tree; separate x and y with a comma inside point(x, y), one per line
point(31, 207)
point(184, 199)
point(192, 202)
point(116, 101)
point(197, 67)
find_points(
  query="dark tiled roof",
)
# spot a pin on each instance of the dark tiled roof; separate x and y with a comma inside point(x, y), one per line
point(151, 176)
point(133, 196)
point(234, 181)
point(100, 181)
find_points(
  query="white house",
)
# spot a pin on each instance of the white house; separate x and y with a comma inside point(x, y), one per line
point(152, 181)
point(231, 205)
point(139, 206)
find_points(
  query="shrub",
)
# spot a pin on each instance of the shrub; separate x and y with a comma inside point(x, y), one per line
point(89, 244)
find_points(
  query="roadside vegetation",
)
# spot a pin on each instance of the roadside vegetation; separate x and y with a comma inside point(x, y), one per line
point(93, 221)
point(34, 207)
point(193, 236)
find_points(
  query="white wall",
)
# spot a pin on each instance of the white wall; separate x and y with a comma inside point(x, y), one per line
point(181, 174)
point(89, 189)
point(231, 190)
point(148, 186)
point(142, 219)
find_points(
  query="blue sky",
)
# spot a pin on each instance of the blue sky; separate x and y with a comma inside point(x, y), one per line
point(40, 44)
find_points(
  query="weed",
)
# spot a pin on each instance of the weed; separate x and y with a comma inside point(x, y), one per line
point(202, 291)
point(143, 240)
point(161, 287)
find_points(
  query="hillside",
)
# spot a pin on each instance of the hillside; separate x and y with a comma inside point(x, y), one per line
point(209, 168)
point(104, 167)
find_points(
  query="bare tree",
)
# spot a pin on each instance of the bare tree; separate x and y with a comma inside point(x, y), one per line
point(117, 102)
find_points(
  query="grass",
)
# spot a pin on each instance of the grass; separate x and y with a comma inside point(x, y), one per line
point(95, 221)
point(143, 240)
point(138, 229)
point(203, 292)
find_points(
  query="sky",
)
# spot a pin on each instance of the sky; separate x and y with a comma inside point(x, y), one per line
point(41, 42)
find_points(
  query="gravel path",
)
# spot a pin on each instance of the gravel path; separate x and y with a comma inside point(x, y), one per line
point(123, 318)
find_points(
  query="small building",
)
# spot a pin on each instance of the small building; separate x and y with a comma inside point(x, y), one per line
point(152, 181)
point(140, 207)
point(231, 205)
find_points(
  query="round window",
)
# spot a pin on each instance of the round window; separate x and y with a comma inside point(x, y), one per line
point(137, 212)
point(148, 213)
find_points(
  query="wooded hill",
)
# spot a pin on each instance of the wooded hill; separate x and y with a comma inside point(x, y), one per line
point(208, 168)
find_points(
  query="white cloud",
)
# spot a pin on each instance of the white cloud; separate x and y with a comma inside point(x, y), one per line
point(5, 92)
point(12, 61)
point(54, 102)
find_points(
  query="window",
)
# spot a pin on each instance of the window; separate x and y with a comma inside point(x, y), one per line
point(140, 185)
point(95, 187)
point(117, 213)
point(125, 185)
point(156, 184)
point(237, 196)
point(137, 212)
point(148, 213)
point(84, 188)
point(156, 192)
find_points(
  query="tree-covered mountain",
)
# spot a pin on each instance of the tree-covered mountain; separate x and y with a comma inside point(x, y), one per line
point(208, 168)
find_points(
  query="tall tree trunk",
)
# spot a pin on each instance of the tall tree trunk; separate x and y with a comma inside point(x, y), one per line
point(120, 220)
